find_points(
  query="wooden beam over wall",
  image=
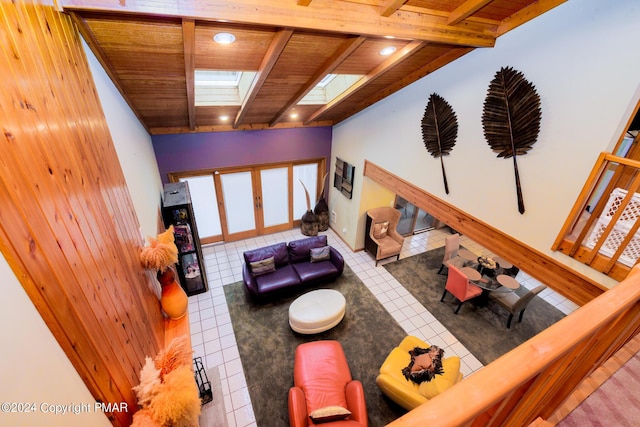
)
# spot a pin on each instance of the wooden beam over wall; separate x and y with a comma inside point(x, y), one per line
point(343, 17)
point(573, 285)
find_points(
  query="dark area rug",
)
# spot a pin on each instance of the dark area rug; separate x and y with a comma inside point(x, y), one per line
point(482, 330)
point(267, 345)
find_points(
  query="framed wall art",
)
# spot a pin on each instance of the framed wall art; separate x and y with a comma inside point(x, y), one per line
point(343, 177)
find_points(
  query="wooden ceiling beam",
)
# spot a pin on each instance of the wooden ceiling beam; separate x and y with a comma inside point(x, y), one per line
point(525, 15)
point(439, 62)
point(102, 58)
point(465, 10)
point(328, 15)
point(389, 7)
point(375, 73)
point(274, 51)
point(189, 40)
point(346, 49)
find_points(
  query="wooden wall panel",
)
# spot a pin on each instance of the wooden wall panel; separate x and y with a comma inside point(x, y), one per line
point(67, 225)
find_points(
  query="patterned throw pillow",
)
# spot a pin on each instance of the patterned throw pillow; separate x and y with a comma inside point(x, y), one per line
point(329, 414)
point(263, 266)
point(424, 365)
point(380, 229)
point(320, 254)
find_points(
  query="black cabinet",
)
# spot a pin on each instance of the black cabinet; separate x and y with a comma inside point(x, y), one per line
point(178, 211)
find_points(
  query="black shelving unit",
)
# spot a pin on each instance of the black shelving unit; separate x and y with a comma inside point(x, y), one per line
point(178, 211)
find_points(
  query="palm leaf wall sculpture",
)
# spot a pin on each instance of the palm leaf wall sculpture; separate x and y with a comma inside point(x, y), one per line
point(511, 118)
point(439, 130)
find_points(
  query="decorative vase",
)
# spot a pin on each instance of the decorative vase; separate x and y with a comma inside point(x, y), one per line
point(309, 224)
point(174, 300)
point(322, 213)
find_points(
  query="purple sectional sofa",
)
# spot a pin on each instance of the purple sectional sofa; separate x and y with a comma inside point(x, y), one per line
point(274, 269)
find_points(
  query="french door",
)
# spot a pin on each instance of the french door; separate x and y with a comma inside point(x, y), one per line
point(237, 203)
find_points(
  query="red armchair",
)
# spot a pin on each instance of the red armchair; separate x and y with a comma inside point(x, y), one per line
point(322, 379)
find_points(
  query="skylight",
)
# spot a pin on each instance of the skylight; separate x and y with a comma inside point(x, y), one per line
point(221, 88)
point(326, 80)
point(217, 78)
point(329, 88)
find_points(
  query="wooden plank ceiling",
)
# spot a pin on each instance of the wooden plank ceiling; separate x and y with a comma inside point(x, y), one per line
point(150, 50)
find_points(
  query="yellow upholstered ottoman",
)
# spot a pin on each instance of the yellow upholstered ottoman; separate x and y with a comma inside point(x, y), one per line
point(407, 393)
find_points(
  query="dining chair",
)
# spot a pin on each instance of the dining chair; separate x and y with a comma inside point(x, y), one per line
point(514, 303)
point(459, 286)
point(451, 257)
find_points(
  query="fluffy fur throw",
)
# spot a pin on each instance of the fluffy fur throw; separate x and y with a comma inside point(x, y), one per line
point(161, 252)
point(425, 364)
point(168, 395)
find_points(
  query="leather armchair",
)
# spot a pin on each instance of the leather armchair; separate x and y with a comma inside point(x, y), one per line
point(382, 240)
point(322, 378)
point(406, 393)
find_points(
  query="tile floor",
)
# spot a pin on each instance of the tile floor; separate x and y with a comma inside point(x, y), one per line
point(212, 334)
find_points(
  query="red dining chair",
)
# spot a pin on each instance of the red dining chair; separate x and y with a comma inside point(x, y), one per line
point(458, 285)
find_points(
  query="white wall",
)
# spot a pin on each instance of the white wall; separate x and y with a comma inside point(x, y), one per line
point(34, 368)
point(134, 148)
point(582, 59)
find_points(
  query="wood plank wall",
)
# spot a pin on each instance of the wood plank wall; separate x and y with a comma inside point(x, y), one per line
point(67, 225)
point(573, 285)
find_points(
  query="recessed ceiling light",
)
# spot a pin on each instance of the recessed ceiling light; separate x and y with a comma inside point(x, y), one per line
point(388, 50)
point(293, 115)
point(389, 37)
point(224, 38)
point(224, 118)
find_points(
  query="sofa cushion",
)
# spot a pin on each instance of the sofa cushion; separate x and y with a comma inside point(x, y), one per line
point(387, 247)
point(278, 252)
point(264, 266)
point(320, 254)
point(441, 383)
point(311, 271)
point(280, 279)
point(300, 250)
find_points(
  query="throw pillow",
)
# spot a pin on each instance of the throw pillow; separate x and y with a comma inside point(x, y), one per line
point(263, 266)
point(380, 229)
point(441, 383)
point(320, 254)
point(424, 365)
point(329, 414)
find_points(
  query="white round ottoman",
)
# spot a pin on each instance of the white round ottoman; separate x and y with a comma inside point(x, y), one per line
point(316, 311)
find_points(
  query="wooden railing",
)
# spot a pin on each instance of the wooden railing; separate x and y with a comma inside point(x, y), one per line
point(533, 380)
point(612, 257)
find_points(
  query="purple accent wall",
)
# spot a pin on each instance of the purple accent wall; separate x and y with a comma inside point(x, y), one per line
point(193, 151)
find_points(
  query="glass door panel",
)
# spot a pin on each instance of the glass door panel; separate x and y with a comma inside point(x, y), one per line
point(424, 222)
point(239, 209)
point(205, 207)
point(274, 201)
point(308, 174)
point(407, 216)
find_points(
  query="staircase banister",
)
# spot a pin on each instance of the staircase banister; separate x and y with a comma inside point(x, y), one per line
point(482, 392)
